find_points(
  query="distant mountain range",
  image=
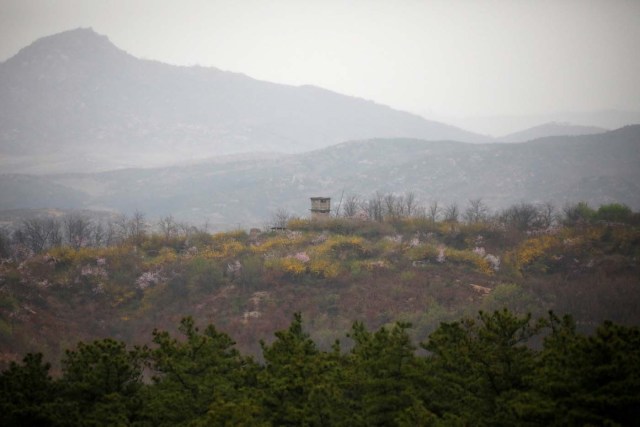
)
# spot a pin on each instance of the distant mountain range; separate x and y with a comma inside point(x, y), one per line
point(75, 102)
point(598, 169)
point(504, 125)
point(550, 129)
point(84, 125)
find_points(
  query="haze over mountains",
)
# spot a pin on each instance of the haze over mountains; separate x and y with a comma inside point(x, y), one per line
point(550, 129)
point(75, 102)
point(501, 126)
point(84, 125)
point(598, 169)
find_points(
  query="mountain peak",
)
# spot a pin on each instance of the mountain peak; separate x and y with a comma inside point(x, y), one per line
point(76, 43)
point(77, 92)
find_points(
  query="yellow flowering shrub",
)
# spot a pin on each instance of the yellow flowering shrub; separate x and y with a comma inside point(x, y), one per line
point(119, 251)
point(324, 268)
point(122, 261)
point(66, 255)
point(421, 252)
point(237, 235)
point(286, 265)
point(279, 243)
point(165, 256)
point(470, 258)
point(224, 250)
point(532, 249)
point(387, 247)
point(342, 247)
point(626, 240)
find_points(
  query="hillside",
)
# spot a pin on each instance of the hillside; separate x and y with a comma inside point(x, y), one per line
point(334, 272)
point(598, 169)
point(75, 102)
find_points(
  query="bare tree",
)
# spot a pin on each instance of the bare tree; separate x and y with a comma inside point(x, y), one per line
point(280, 218)
point(434, 211)
point(119, 229)
point(38, 234)
point(477, 211)
point(452, 213)
point(547, 215)
point(188, 230)
point(137, 227)
point(55, 234)
point(112, 233)
point(338, 209)
point(78, 230)
point(168, 227)
point(410, 204)
point(523, 216)
point(420, 212)
point(374, 207)
point(393, 206)
point(99, 235)
point(350, 206)
point(579, 213)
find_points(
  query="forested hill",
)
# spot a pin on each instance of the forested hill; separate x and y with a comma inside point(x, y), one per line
point(86, 280)
point(476, 372)
point(75, 102)
point(597, 169)
point(383, 288)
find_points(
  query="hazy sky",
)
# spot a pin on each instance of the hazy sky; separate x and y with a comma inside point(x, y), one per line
point(435, 58)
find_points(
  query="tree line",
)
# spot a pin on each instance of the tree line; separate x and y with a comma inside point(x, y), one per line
point(387, 207)
point(77, 230)
point(495, 369)
point(524, 216)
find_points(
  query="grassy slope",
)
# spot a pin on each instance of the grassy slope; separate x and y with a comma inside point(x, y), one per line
point(334, 273)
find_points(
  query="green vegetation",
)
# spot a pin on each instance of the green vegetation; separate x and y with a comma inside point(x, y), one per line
point(415, 268)
point(496, 368)
point(480, 371)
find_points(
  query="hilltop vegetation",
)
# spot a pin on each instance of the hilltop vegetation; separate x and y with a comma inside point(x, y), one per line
point(418, 269)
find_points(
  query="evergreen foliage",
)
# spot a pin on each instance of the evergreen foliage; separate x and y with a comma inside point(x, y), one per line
point(483, 371)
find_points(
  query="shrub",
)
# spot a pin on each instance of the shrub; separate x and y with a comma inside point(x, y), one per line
point(614, 212)
point(66, 256)
point(423, 252)
point(251, 273)
point(470, 258)
point(343, 247)
point(199, 239)
point(203, 274)
point(511, 296)
point(224, 250)
point(278, 244)
point(578, 213)
point(236, 235)
point(532, 249)
point(289, 266)
point(324, 268)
